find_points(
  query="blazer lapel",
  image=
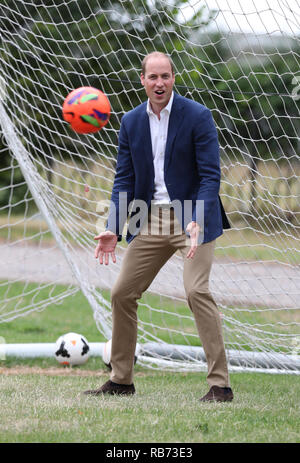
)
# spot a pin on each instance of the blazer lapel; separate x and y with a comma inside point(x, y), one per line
point(145, 138)
point(174, 124)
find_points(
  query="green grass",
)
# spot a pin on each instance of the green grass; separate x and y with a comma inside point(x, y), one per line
point(71, 314)
point(251, 245)
point(166, 408)
point(74, 314)
point(41, 401)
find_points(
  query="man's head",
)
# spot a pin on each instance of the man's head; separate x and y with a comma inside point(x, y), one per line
point(158, 78)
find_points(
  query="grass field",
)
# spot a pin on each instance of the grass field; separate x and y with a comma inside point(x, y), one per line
point(40, 401)
point(47, 407)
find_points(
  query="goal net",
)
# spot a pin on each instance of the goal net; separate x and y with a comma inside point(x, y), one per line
point(242, 62)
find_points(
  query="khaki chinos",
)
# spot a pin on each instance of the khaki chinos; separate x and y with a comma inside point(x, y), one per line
point(158, 240)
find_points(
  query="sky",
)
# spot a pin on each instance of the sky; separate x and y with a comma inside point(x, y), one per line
point(254, 16)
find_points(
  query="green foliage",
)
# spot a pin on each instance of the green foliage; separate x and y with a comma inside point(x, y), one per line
point(45, 63)
point(13, 189)
point(248, 94)
point(249, 97)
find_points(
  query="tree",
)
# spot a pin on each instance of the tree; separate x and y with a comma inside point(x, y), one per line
point(50, 47)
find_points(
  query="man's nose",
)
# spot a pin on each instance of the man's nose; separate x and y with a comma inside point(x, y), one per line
point(159, 82)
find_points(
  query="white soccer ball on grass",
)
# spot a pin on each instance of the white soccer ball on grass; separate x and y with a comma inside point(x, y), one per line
point(106, 353)
point(72, 349)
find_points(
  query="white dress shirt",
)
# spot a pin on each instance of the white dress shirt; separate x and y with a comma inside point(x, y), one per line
point(159, 133)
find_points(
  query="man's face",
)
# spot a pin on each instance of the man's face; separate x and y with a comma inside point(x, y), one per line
point(158, 81)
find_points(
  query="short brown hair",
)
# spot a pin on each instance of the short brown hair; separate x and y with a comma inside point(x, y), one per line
point(153, 54)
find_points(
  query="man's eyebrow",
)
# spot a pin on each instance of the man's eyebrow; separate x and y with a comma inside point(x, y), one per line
point(164, 74)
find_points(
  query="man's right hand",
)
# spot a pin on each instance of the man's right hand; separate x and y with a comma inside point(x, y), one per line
point(106, 246)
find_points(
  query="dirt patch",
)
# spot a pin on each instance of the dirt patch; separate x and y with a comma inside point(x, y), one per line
point(55, 371)
point(50, 371)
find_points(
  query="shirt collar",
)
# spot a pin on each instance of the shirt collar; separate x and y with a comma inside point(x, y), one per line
point(166, 108)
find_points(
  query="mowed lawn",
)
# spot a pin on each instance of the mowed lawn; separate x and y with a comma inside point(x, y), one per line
point(37, 406)
point(40, 401)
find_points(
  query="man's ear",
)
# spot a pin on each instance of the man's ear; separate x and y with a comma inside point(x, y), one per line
point(142, 79)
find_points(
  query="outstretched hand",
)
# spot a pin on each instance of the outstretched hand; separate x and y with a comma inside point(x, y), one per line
point(193, 229)
point(106, 247)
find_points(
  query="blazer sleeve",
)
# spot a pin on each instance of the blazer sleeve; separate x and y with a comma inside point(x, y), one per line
point(208, 162)
point(123, 187)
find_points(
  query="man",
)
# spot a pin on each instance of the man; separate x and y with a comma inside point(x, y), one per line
point(168, 156)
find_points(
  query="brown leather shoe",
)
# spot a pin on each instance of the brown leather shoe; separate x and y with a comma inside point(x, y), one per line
point(218, 394)
point(112, 389)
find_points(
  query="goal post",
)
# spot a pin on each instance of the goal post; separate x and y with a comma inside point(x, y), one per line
point(55, 185)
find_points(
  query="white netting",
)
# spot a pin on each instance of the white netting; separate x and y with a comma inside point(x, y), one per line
point(241, 59)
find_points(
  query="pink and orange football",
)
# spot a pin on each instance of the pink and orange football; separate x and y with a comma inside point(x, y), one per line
point(86, 109)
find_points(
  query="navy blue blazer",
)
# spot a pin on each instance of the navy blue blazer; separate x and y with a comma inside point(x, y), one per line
point(191, 168)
